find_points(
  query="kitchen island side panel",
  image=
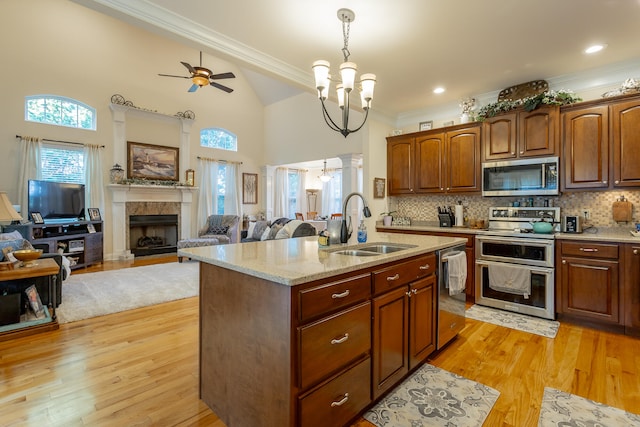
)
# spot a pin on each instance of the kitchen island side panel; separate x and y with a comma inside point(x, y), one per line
point(245, 348)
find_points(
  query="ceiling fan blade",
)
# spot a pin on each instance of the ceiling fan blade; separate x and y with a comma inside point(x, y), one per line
point(224, 76)
point(221, 87)
point(194, 87)
point(171, 75)
point(189, 67)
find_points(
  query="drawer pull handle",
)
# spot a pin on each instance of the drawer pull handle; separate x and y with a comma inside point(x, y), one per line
point(342, 295)
point(425, 267)
point(341, 401)
point(340, 340)
point(589, 249)
point(392, 278)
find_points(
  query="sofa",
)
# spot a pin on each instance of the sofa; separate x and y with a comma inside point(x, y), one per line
point(281, 228)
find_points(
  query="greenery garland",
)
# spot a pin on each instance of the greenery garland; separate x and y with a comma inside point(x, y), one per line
point(143, 181)
point(550, 97)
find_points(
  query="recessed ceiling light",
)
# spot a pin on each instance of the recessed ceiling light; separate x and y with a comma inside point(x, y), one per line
point(438, 90)
point(595, 48)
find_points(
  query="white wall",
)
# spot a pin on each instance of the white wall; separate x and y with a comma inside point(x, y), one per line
point(60, 48)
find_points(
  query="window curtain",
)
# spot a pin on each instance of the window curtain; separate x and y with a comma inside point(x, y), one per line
point(332, 194)
point(207, 197)
point(301, 193)
point(30, 149)
point(233, 188)
point(280, 193)
point(93, 177)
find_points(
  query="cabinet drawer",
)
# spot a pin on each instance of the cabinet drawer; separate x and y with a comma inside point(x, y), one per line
point(331, 343)
point(590, 250)
point(340, 400)
point(403, 273)
point(330, 297)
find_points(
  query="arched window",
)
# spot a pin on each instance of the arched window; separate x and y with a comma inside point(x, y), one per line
point(218, 138)
point(59, 110)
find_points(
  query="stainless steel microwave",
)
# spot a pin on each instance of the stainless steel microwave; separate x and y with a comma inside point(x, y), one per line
point(527, 177)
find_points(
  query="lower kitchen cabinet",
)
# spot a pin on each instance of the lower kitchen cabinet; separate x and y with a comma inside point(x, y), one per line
point(631, 258)
point(590, 285)
point(404, 321)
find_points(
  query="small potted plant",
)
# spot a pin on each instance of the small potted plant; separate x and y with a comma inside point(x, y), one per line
point(387, 217)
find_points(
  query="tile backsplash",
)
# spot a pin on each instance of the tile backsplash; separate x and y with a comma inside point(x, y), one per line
point(599, 203)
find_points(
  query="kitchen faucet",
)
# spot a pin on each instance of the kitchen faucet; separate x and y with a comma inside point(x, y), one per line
point(345, 231)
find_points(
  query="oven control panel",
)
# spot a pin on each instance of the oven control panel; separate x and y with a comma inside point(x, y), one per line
point(524, 213)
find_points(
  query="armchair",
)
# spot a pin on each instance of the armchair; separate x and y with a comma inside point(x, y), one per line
point(225, 228)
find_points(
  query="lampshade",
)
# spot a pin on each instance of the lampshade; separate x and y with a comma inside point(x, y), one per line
point(7, 212)
point(348, 74)
point(200, 80)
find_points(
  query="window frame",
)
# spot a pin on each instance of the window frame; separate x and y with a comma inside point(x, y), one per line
point(62, 99)
point(223, 131)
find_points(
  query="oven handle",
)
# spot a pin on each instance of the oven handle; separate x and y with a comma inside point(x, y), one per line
point(505, 239)
point(544, 177)
point(533, 269)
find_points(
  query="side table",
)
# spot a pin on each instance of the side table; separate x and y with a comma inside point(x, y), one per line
point(44, 267)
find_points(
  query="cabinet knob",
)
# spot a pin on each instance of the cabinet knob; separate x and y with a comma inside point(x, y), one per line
point(604, 182)
point(448, 188)
point(408, 293)
point(617, 181)
point(392, 278)
point(341, 295)
point(564, 261)
point(341, 401)
point(635, 252)
point(522, 152)
point(340, 340)
point(441, 188)
point(415, 291)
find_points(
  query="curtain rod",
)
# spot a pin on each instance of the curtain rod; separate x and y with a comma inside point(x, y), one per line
point(63, 142)
point(209, 159)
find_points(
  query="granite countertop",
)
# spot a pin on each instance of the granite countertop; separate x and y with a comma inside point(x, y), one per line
point(300, 260)
point(604, 234)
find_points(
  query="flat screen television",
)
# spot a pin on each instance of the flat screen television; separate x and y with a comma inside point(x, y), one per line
point(56, 201)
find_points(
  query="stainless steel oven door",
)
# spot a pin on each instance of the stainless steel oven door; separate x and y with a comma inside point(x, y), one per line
point(517, 250)
point(540, 302)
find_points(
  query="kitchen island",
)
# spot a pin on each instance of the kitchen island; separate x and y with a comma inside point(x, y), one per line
point(293, 335)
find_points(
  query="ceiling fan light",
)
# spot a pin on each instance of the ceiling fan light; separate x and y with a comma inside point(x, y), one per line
point(200, 80)
point(348, 74)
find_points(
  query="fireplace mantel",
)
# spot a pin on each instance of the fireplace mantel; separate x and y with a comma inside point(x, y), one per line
point(123, 193)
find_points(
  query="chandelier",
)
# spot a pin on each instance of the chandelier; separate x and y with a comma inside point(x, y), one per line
point(348, 75)
point(325, 177)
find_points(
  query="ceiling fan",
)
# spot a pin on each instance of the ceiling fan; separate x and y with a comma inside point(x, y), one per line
point(201, 76)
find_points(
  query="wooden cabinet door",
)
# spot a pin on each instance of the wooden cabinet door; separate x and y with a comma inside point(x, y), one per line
point(590, 289)
point(93, 248)
point(400, 165)
point(631, 263)
point(585, 135)
point(462, 161)
point(390, 339)
point(422, 320)
point(500, 137)
point(625, 138)
point(429, 161)
point(539, 132)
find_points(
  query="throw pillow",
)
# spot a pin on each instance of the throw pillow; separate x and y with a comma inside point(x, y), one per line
point(292, 225)
point(274, 231)
point(283, 233)
point(265, 233)
point(259, 230)
point(218, 229)
point(252, 227)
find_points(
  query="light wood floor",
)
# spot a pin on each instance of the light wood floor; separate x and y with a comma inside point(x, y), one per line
point(140, 367)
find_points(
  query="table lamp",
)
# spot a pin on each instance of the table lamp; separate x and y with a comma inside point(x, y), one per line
point(7, 212)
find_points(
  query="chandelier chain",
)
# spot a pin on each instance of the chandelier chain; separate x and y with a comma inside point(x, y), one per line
point(346, 27)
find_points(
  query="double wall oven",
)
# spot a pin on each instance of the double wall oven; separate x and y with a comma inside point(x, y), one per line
point(514, 266)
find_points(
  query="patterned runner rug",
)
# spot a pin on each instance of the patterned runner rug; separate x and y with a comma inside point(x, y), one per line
point(434, 397)
point(564, 409)
point(96, 294)
point(521, 322)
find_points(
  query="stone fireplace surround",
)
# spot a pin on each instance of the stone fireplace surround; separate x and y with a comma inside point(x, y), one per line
point(147, 199)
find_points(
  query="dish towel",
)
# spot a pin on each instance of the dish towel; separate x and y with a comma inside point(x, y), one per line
point(457, 272)
point(512, 279)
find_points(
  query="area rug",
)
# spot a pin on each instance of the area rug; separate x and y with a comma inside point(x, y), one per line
point(96, 294)
point(565, 409)
point(434, 397)
point(521, 322)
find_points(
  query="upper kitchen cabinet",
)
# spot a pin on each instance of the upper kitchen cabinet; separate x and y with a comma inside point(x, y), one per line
point(522, 134)
point(436, 161)
point(601, 141)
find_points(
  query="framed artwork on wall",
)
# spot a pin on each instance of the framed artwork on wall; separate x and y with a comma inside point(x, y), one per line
point(148, 161)
point(378, 188)
point(250, 188)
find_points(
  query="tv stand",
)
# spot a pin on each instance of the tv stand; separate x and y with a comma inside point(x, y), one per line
point(81, 241)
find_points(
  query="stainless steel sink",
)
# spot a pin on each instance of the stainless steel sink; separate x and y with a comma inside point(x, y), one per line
point(385, 248)
point(356, 252)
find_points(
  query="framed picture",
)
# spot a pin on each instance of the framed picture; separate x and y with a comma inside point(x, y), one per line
point(450, 123)
point(250, 188)
point(37, 218)
point(91, 228)
point(190, 177)
point(94, 214)
point(426, 125)
point(378, 188)
point(147, 161)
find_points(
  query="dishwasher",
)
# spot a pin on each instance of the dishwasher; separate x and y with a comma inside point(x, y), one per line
point(451, 301)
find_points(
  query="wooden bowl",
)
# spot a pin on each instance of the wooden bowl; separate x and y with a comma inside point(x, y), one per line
point(27, 255)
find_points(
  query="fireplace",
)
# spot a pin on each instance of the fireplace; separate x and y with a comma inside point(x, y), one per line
point(153, 234)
